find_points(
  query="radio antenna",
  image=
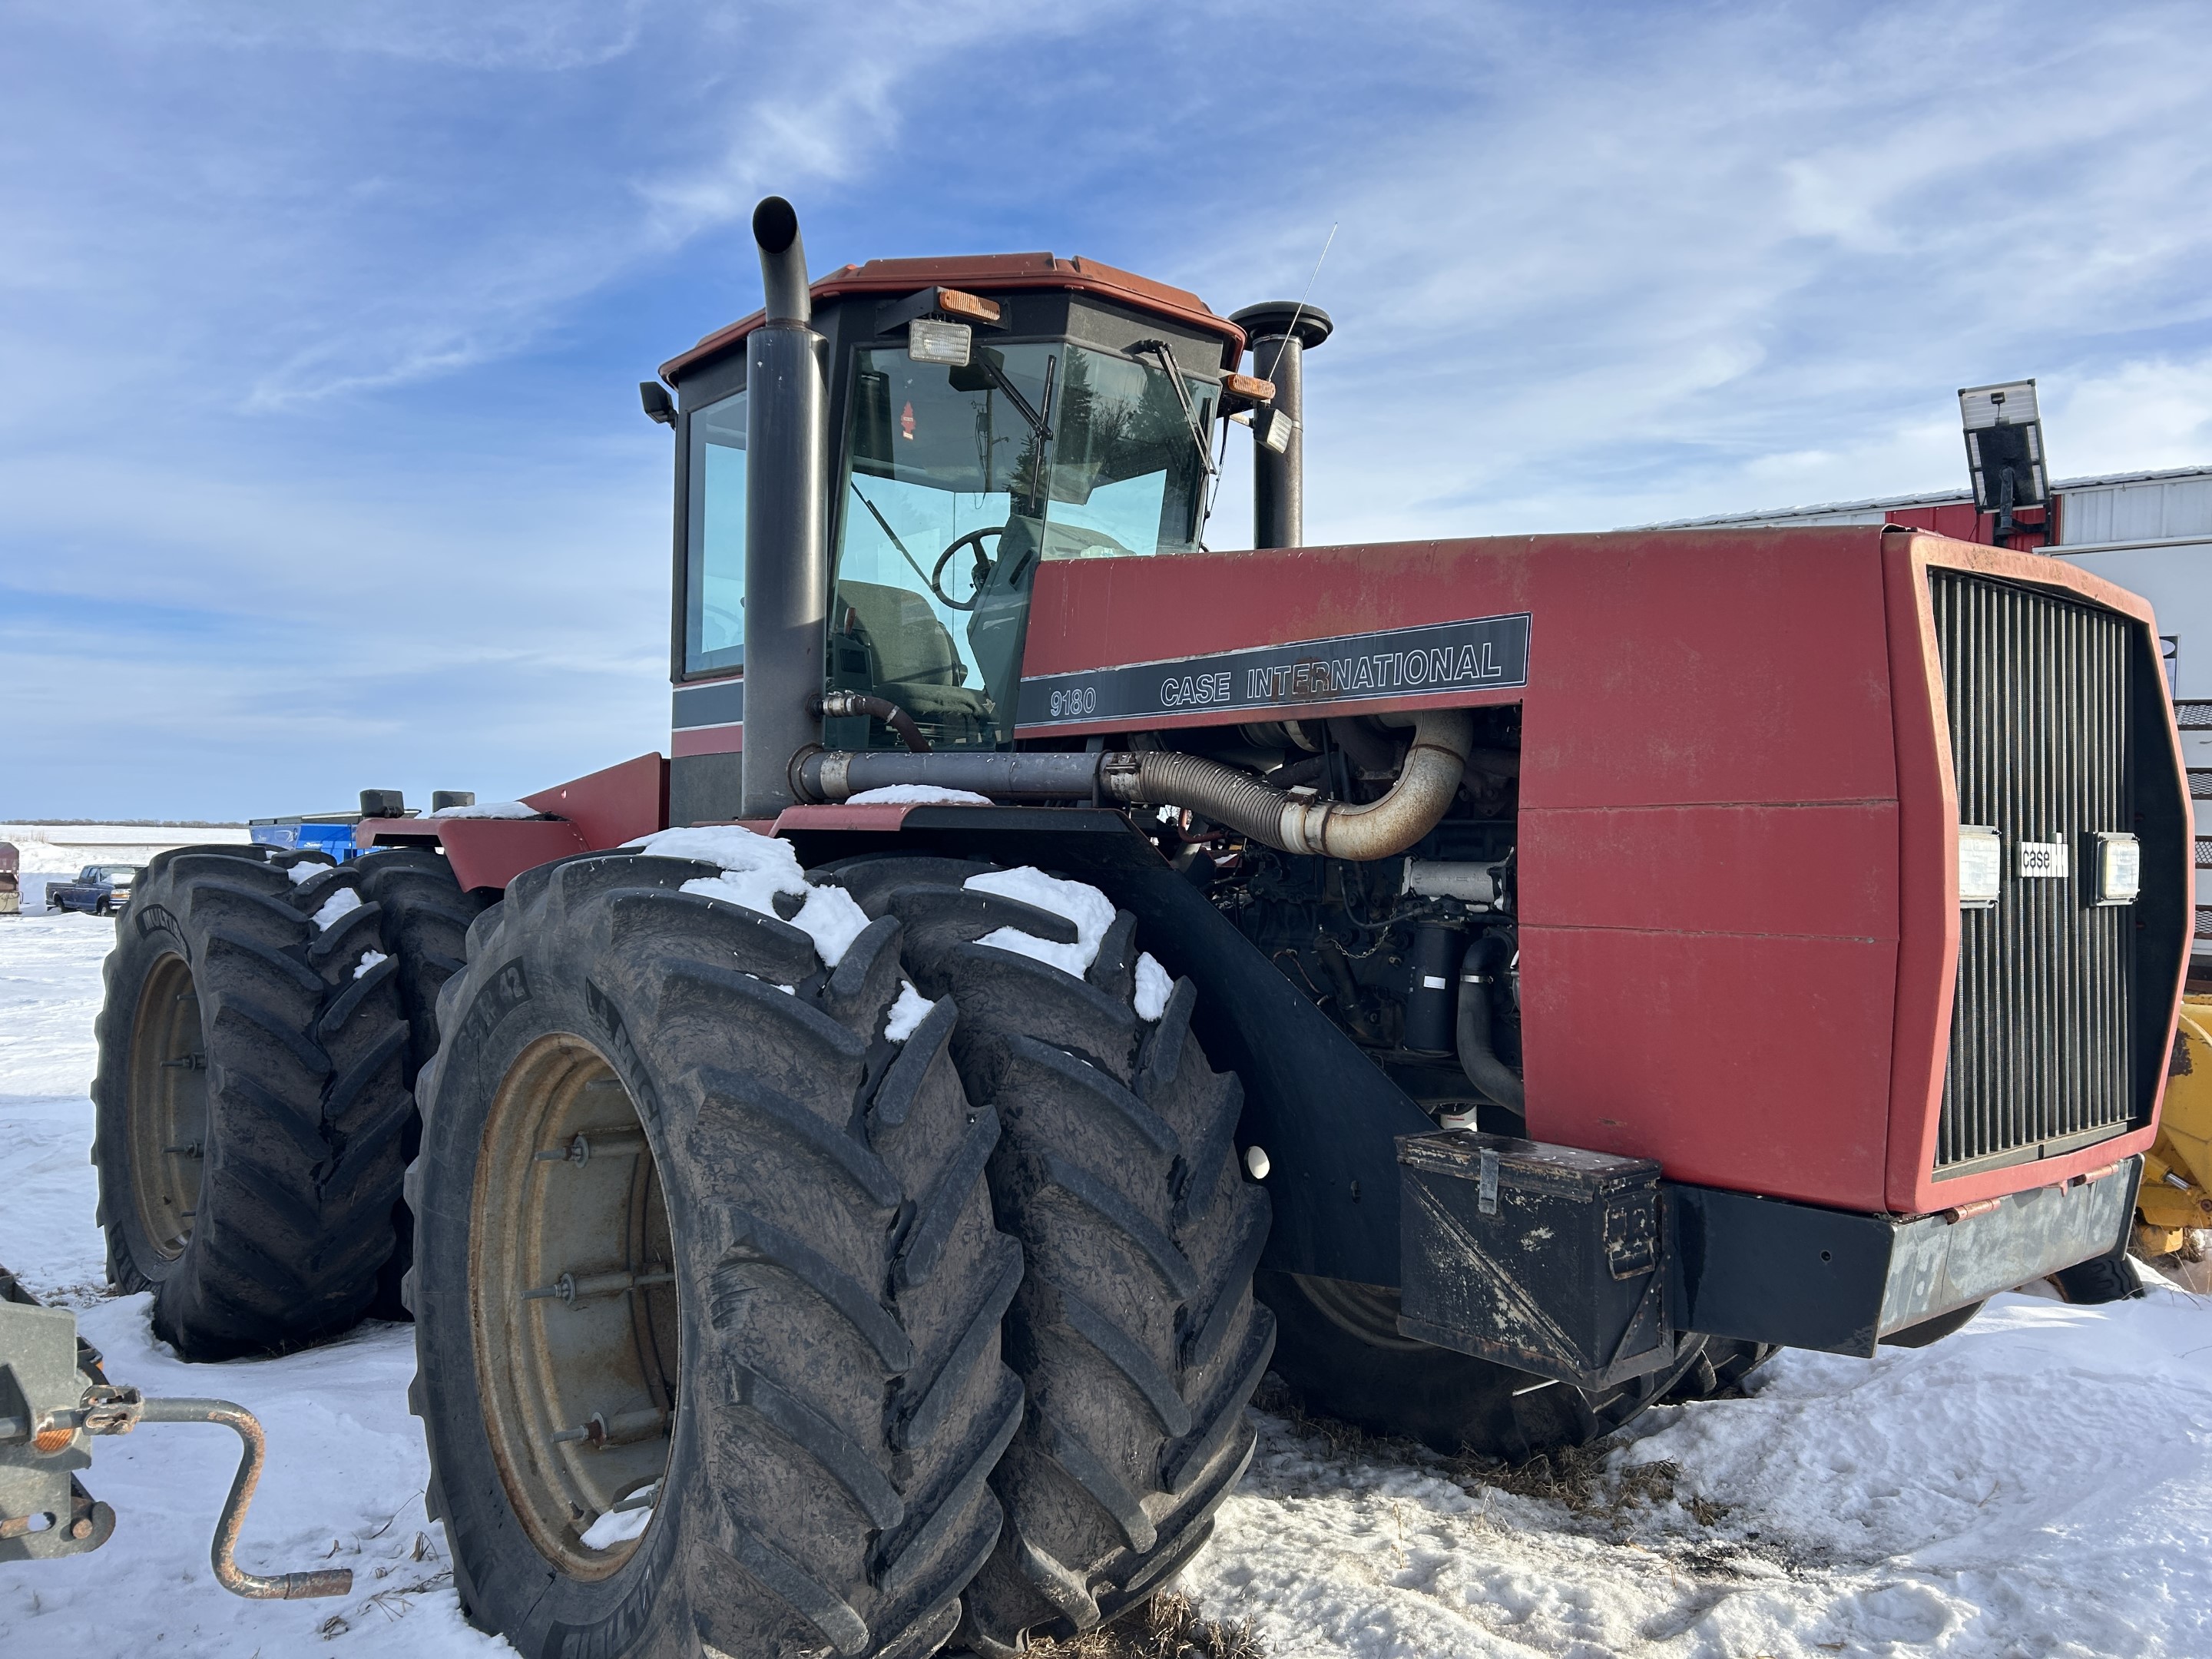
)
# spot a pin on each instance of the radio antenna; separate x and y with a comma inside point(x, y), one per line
point(1213, 482)
point(1301, 309)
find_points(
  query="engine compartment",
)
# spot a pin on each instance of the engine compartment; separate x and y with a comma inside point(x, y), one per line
point(1391, 950)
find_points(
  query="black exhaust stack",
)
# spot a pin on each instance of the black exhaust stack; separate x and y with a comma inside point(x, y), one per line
point(1281, 332)
point(786, 544)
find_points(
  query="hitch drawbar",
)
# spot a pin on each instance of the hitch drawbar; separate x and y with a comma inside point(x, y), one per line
point(1585, 1267)
point(50, 1408)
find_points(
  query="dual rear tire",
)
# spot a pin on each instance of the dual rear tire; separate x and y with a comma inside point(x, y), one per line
point(252, 1102)
point(266, 1014)
point(759, 1410)
point(856, 1415)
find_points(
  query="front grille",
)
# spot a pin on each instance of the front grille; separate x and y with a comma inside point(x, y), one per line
point(2040, 695)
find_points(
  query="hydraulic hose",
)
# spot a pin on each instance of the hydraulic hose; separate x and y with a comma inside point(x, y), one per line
point(1477, 1058)
point(844, 704)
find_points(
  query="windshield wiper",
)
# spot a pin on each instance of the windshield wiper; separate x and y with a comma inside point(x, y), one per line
point(1166, 353)
point(990, 363)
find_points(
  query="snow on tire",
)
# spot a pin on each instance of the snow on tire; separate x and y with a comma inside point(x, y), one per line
point(707, 1290)
point(250, 1102)
point(1135, 1332)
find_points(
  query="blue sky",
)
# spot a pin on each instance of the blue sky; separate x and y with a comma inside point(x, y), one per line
point(320, 326)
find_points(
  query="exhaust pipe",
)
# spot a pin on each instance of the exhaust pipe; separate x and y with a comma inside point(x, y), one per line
point(1281, 332)
point(786, 541)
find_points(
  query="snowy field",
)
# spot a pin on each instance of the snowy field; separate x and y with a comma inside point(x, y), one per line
point(55, 851)
point(2037, 1486)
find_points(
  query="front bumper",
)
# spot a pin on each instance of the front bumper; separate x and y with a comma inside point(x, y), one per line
point(1809, 1278)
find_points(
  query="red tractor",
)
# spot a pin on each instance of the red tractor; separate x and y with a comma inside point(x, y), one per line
point(865, 1163)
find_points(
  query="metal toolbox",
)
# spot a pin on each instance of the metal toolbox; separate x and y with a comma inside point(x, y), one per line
point(1545, 1258)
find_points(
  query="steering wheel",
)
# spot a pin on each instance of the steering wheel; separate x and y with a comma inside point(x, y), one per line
point(977, 577)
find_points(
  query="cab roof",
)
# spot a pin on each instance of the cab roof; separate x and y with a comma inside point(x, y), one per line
point(987, 272)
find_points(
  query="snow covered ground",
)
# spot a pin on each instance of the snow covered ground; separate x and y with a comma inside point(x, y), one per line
point(2037, 1486)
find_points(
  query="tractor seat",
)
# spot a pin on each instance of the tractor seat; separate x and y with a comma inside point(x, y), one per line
point(916, 664)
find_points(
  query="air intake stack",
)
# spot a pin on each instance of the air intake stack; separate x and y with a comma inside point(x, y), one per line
point(786, 544)
point(1281, 332)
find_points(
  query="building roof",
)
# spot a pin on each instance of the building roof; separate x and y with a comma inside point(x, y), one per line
point(1878, 504)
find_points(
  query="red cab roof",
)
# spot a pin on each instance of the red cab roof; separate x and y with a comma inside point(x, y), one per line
point(990, 272)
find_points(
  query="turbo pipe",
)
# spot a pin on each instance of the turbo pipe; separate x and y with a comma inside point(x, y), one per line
point(1161, 777)
point(1427, 779)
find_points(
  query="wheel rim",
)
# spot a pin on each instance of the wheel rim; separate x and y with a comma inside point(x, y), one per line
point(574, 1305)
point(168, 1106)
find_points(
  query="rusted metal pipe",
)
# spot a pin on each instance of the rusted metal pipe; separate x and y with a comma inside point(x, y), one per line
point(285, 1587)
point(1332, 829)
point(1290, 823)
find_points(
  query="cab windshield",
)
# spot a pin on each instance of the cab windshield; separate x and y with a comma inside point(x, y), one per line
point(960, 481)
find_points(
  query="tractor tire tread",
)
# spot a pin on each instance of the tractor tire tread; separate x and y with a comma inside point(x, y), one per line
point(1096, 1110)
point(816, 1519)
point(304, 1086)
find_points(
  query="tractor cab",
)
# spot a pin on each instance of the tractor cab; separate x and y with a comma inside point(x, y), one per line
point(984, 416)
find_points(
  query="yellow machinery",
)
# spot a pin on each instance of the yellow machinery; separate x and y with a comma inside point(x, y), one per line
point(2174, 1206)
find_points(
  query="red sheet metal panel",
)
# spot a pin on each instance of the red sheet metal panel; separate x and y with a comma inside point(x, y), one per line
point(484, 852)
point(1820, 870)
point(613, 806)
point(884, 816)
point(728, 739)
point(1747, 1060)
point(1739, 920)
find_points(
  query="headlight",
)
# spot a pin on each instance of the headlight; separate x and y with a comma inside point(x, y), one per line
point(929, 341)
point(2119, 867)
point(1981, 866)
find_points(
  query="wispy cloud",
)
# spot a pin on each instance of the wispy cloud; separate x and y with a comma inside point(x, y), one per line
point(320, 323)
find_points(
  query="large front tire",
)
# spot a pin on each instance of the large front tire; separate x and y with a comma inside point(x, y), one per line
point(1135, 1332)
point(626, 1091)
point(250, 1102)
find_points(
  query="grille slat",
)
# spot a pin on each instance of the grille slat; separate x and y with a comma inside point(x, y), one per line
point(2038, 692)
